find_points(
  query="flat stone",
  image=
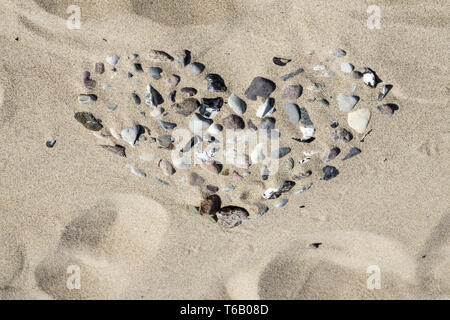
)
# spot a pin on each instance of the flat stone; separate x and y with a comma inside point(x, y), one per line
point(215, 83)
point(292, 92)
point(347, 67)
point(281, 204)
point(165, 141)
point(130, 135)
point(370, 78)
point(341, 135)
point(233, 122)
point(231, 216)
point(194, 179)
point(293, 112)
point(189, 91)
point(198, 123)
point(384, 90)
point(172, 81)
point(274, 193)
point(281, 61)
point(308, 133)
point(88, 82)
point(260, 87)
point(359, 119)
point(353, 152)
point(212, 166)
point(237, 104)
point(155, 72)
point(136, 172)
point(266, 109)
point(113, 60)
point(346, 103)
point(88, 120)
point(332, 154)
point(329, 172)
point(196, 68)
point(319, 67)
point(187, 107)
point(210, 107)
point(386, 109)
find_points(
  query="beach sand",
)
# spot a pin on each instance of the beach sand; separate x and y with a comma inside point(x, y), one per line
point(77, 205)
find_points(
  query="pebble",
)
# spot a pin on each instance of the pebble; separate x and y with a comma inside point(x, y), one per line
point(211, 188)
point(157, 112)
point(133, 56)
point(198, 123)
point(111, 107)
point(231, 216)
point(251, 125)
point(189, 91)
point(292, 92)
point(329, 74)
point(341, 135)
point(172, 81)
point(211, 205)
point(155, 72)
point(87, 98)
point(291, 75)
point(147, 157)
point(386, 109)
point(194, 179)
point(357, 74)
point(319, 68)
point(266, 109)
point(265, 172)
point(308, 133)
point(237, 158)
point(117, 149)
point(136, 98)
point(181, 163)
point(160, 56)
point(304, 117)
point(135, 171)
point(99, 68)
point(332, 154)
point(50, 144)
point(229, 188)
point(165, 141)
point(280, 153)
point(210, 107)
point(161, 182)
point(347, 67)
point(166, 167)
point(113, 60)
point(359, 119)
point(130, 135)
point(384, 90)
point(258, 155)
point(138, 67)
point(281, 204)
point(370, 78)
point(212, 166)
point(215, 83)
point(237, 104)
point(187, 107)
point(106, 87)
point(274, 193)
point(168, 126)
point(339, 53)
point(267, 125)
point(196, 68)
point(281, 61)
point(302, 175)
point(172, 96)
point(234, 122)
point(289, 164)
point(260, 87)
point(183, 58)
point(329, 172)
point(353, 152)
point(152, 97)
point(293, 112)
point(304, 189)
point(316, 87)
point(346, 103)
point(215, 129)
point(88, 120)
point(334, 124)
point(192, 142)
point(87, 81)
point(324, 102)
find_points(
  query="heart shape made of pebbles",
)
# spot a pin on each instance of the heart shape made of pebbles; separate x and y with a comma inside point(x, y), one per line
point(202, 133)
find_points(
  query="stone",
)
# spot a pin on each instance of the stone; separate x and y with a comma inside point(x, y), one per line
point(293, 112)
point(215, 129)
point(251, 125)
point(117, 149)
point(291, 74)
point(346, 103)
point(172, 81)
point(292, 92)
point(329, 172)
point(384, 90)
point(353, 152)
point(198, 123)
point(386, 109)
point(194, 179)
point(341, 135)
point(303, 189)
point(168, 126)
point(334, 124)
point(281, 204)
point(87, 81)
point(215, 83)
point(136, 98)
point(187, 107)
point(157, 112)
point(155, 72)
point(138, 68)
point(289, 164)
point(280, 153)
point(165, 141)
point(212, 188)
point(210, 107)
point(332, 154)
point(258, 155)
point(87, 98)
point(370, 78)
point(183, 58)
point(329, 74)
point(88, 120)
point(281, 61)
point(302, 175)
point(359, 119)
point(99, 68)
point(347, 67)
point(237, 104)
point(260, 87)
point(212, 166)
point(188, 91)
point(357, 75)
point(339, 53)
point(308, 133)
point(135, 171)
point(160, 56)
point(266, 109)
point(113, 60)
point(231, 216)
point(304, 118)
point(50, 144)
point(152, 97)
point(324, 103)
point(319, 68)
point(172, 96)
point(166, 167)
point(111, 106)
point(196, 68)
point(211, 205)
point(130, 135)
point(274, 193)
point(234, 122)
point(192, 142)
point(183, 163)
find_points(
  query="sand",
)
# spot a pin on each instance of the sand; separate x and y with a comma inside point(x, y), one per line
point(77, 205)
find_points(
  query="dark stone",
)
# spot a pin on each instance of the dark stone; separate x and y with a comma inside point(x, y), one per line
point(50, 144)
point(195, 179)
point(172, 95)
point(117, 149)
point(136, 98)
point(341, 135)
point(88, 120)
point(281, 61)
point(210, 107)
point(188, 91)
point(210, 205)
point(353, 152)
point(138, 67)
point(215, 83)
point(329, 172)
point(194, 140)
point(260, 87)
point(233, 122)
point(187, 107)
point(334, 124)
point(292, 74)
point(332, 154)
point(304, 117)
point(280, 153)
point(231, 216)
point(87, 81)
point(251, 125)
point(155, 72)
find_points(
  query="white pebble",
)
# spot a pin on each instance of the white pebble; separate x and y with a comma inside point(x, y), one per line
point(358, 120)
point(113, 60)
point(319, 68)
point(347, 67)
point(135, 171)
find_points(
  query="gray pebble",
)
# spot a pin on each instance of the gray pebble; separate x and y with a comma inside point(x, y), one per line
point(138, 67)
point(280, 153)
point(292, 74)
point(168, 126)
point(342, 135)
point(187, 107)
point(210, 107)
point(215, 83)
point(332, 154)
point(196, 68)
point(260, 87)
point(293, 112)
point(155, 72)
point(136, 98)
point(329, 172)
point(347, 103)
point(353, 152)
point(304, 117)
point(292, 92)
